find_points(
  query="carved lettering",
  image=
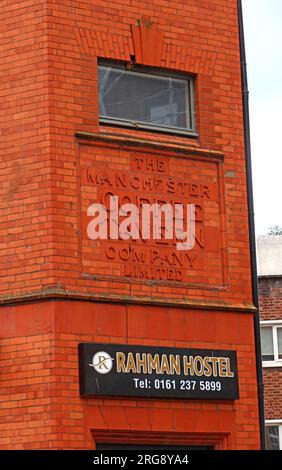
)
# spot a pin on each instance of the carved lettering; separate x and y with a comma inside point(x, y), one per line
point(153, 179)
point(150, 272)
point(142, 182)
point(148, 164)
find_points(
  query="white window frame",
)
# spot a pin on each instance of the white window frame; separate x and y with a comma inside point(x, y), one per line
point(274, 324)
point(276, 422)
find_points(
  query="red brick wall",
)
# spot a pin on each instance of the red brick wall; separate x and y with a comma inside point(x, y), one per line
point(49, 72)
point(272, 378)
point(50, 92)
point(270, 298)
point(25, 171)
point(40, 389)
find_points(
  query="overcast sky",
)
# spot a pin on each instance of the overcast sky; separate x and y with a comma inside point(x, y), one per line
point(263, 38)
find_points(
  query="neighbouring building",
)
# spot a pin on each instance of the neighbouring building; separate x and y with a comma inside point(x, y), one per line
point(270, 297)
point(117, 342)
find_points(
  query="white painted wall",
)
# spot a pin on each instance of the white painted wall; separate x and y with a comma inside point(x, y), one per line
point(269, 255)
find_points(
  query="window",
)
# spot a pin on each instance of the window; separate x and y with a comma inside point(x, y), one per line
point(146, 99)
point(271, 343)
point(273, 435)
point(267, 344)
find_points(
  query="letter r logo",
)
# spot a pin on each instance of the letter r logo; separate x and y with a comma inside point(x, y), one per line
point(102, 362)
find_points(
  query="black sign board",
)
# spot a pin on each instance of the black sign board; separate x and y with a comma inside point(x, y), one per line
point(145, 371)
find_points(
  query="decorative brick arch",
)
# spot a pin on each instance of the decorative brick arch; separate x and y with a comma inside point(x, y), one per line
point(147, 42)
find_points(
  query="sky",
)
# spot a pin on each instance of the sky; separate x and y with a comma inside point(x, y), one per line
point(263, 40)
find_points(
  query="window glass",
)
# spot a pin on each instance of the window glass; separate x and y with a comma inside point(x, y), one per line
point(144, 99)
point(279, 340)
point(272, 437)
point(267, 344)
